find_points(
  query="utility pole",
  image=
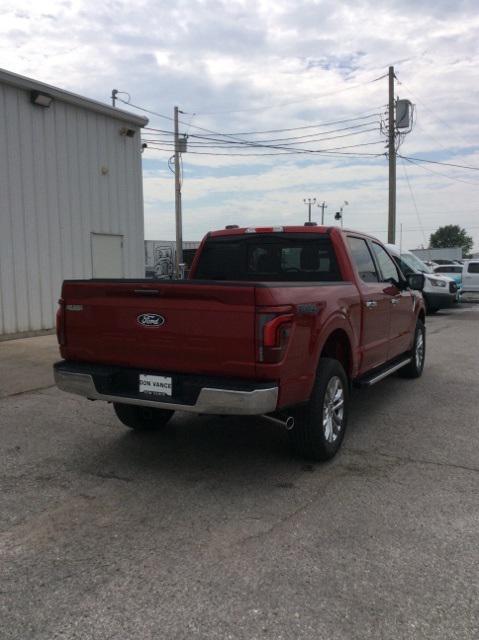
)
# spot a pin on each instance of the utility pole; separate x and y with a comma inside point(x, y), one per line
point(309, 202)
point(178, 221)
point(113, 97)
point(392, 162)
point(323, 206)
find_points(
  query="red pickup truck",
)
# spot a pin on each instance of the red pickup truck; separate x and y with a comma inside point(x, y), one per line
point(273, 321)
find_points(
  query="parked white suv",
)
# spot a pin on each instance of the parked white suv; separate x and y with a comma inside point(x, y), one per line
point(470, 275)
point(440, 292)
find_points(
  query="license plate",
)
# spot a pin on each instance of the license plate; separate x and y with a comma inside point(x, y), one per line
point(155, 385)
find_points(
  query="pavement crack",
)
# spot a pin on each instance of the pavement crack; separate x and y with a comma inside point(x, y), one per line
point(275, 525)
point(22, 393)
point(285, 518)
point(107, 475)
point(410, 460)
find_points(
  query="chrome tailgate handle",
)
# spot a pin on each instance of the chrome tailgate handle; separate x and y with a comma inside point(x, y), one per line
point(394, 300)
point(371, 304)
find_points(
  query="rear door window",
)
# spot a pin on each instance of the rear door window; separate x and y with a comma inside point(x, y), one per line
point(363, 259)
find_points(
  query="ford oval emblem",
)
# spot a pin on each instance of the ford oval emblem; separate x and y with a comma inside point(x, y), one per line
point(151, 320)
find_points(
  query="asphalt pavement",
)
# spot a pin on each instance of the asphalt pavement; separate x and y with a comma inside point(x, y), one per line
point(213, 530)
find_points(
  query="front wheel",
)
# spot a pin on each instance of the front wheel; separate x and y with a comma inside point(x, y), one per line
point(418, 354)
point(142, 418)
point(320, 425)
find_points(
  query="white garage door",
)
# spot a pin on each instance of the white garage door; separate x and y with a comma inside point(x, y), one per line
point(107, 255)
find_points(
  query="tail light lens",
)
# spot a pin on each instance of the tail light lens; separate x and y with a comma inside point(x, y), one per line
point(274, 331)
point(60, 322)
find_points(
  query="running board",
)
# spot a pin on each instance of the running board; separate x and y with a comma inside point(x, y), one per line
point(380, 374)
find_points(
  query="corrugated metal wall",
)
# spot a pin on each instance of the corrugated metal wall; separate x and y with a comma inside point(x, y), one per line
point(53, 195)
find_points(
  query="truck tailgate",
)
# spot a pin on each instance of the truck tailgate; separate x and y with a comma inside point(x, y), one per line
point(208, 328)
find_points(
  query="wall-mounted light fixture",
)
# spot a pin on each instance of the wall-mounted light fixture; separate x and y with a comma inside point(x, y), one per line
point(40, 99)
point(129, 133)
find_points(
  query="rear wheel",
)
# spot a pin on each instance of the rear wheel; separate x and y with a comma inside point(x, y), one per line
point(320, 425)
point(142, 418)
point(415, 367)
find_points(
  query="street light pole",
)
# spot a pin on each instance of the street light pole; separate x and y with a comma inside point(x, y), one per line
point(309, 202)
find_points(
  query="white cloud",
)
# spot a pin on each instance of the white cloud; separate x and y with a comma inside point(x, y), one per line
point(267, 64)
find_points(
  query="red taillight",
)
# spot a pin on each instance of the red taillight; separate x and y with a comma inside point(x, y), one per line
point(273, 335)
point(61, 322)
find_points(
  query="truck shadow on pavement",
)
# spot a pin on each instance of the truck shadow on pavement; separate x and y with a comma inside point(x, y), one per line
point(205, 448)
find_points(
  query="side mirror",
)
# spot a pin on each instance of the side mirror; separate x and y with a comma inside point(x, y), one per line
point(416, 281)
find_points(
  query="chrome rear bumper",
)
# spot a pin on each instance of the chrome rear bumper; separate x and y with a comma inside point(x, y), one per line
point(210, 400)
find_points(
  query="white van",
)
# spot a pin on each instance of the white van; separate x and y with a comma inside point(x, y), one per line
point(470, 275)
point(440, 292)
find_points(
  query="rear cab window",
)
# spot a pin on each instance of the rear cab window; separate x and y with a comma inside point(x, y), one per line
point(473, 267)
point(285, 257)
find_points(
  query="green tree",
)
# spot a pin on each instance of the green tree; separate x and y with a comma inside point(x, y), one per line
point(451, 235)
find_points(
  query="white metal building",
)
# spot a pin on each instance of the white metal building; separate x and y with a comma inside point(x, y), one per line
point(71, 199)
point(445, 253)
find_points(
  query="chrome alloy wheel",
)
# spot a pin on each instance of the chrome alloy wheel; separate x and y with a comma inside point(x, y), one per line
point(419, 352)
point(333, 409)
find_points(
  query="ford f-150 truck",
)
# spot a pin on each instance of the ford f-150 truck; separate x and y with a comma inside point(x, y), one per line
point(272, 321)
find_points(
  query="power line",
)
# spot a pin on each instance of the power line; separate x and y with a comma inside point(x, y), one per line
point(309, 126)
point(278, 153)
point(359, 128)
point(297, 101)
point(439, 173)
point(414, 202)
point(231, 144)
point(294, 150)
point(443, 122)
point(302, 128)
point(446, 164)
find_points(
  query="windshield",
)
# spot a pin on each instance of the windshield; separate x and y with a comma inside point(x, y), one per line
point(415, 263)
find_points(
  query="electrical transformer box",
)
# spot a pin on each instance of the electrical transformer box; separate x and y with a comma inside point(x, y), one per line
point(403, 114)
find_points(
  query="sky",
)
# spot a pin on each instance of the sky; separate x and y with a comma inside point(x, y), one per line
point(243, 66)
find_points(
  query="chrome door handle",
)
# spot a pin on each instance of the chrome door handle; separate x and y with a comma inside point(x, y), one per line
point(394, 300)
point(371, 304)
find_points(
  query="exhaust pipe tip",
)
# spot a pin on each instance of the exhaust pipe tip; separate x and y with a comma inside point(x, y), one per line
point(289, 423)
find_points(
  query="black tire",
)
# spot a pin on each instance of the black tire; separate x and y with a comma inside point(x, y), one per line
point(314, 436)
point(415, 368)
point(142, 418)
point(430, 309)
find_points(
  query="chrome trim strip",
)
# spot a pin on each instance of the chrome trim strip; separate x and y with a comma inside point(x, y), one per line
point(212, 401)
point(388, 372)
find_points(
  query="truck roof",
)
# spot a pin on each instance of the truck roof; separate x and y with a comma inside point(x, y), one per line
point(313, 229)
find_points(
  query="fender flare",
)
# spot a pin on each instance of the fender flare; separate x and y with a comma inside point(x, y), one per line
point(337, 321)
